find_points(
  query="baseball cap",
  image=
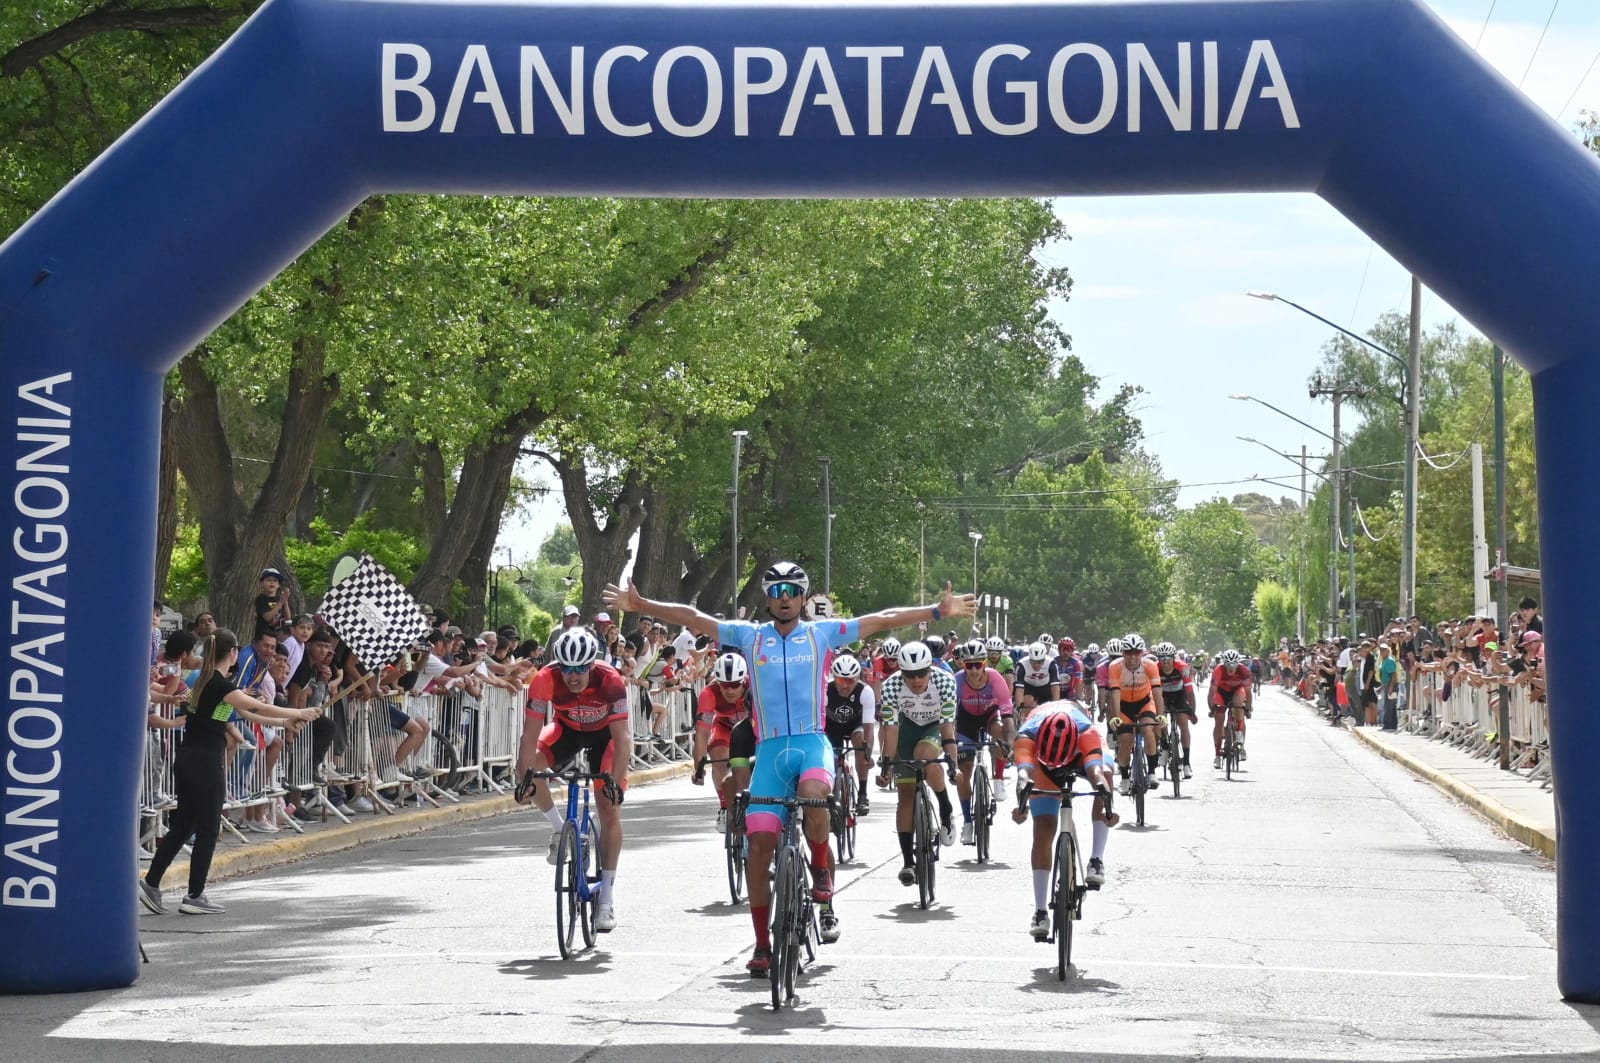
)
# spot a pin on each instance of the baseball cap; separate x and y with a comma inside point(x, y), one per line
point(1530, 636)
point(570, 610)
point(602, 618)
point(271, 573)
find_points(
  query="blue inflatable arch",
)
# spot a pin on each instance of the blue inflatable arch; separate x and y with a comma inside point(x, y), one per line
point(315, 104)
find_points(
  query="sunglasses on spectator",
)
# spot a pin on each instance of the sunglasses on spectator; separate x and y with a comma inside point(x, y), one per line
point(780, 590)
point(920, 673)
point(574, 669)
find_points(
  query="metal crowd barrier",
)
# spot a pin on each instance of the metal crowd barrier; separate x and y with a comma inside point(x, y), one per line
point(671, 742)
point(1469, 720)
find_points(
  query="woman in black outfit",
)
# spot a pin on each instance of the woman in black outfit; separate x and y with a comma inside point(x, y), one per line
point(197, 772)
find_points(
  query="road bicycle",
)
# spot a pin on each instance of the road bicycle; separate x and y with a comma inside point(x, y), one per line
point(577, 883)
point(735, 846)
point(984, 802)
point(843, 816)
point(1068, 883)
point(1139, 776)
point(924, 824)
point(1230, 743)
point(1174, 744)
point(794, 913)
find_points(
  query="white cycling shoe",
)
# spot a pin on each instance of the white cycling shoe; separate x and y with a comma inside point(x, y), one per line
point(605, 919)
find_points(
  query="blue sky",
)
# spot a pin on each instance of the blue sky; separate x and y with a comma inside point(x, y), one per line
point(1159, 283)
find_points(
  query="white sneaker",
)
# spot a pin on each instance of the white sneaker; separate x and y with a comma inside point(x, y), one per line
point(1039, 926)
point(1125, 787)
point(605, 917)
point(550, 853)
point(722, 821)
point(966, 834)
point(1242, 755)
point(1095, 877)
point(947, 835)
point(1187, 773)
point(828, 926)
point(1216, 762)
point(362, 804)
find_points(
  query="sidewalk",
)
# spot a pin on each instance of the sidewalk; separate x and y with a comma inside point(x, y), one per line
point(1523, 810)
point(233, 859)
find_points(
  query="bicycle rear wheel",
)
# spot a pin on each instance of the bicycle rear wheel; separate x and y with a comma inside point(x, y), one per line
point(1229, 756)
point(839, 818)
point(1139, 781)
point(1065, 897)
point(784, 897)
point(733, 847)
point(923, 828)
point(982, 796)
point(1175, 757)
point(567, 889)
point(589, 869)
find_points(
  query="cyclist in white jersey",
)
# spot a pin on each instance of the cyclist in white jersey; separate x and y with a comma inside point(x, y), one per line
point(789, 658)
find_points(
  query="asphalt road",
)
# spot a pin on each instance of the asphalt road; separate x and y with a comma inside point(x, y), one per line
point(1326, 905)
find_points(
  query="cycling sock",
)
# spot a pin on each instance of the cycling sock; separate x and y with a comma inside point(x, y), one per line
point(556, 816)
point(1151, 762)
point(1041, 886)
point(820, 855)
point(608, 882)
point(760, 915)
point(905, 847)
point(1186, 756)
point(722, 800)
point(1101, 832)
point(863, 787)
point(966, 810)
point(945, 811)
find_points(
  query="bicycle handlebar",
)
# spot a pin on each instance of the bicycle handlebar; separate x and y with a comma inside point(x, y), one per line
point(608, 785)
point(791, 802)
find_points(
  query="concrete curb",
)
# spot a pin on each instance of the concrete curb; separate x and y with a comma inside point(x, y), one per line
point(1508, 821)
point(232, 861)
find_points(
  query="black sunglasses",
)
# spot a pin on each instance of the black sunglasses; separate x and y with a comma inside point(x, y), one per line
point(920, 673)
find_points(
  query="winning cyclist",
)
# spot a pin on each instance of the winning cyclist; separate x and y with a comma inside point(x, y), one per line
point(577, 703)
point(983, 704)
point(1055, 744)
point(1231, 689)
point(1177, 695)
point(1134, 680)
point(851, 703)
point(919, 723)
point(788, 656)
point(722, 731)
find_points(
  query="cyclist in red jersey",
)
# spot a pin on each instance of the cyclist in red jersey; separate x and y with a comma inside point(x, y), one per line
point(578, 704)
point(722, 731)
point(1232, 689)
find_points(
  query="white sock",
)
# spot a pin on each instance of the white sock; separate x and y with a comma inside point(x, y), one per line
point(556, 816)
point(1101, 833)
point(608, 879)
point(1041, 885)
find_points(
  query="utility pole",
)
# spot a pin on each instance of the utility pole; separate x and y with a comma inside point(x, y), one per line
point(1408, 543)
point(827, 518)
point(733, 494)
point(1350, 540)
point(1498, 379)
point(1300, 561)
point(1338, 392)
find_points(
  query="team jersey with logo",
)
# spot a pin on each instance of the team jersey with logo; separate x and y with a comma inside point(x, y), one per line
point(593, 708)
point(861, 704)
point(1087, 752)
point(1180, 678)
point(716, 709)
point(1135, 683)
point(977, 701)
point(1225, 682)
point(1070, 669)
point(787, 673)
point(1037, 678)
point(936, 704)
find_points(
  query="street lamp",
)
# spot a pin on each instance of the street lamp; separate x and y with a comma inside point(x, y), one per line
point(1005, 619)
point(494, 589)
point(733, 495)
point(976, 537)
point(827, 534)
point(1282, 413)
point(1411, 383)
point(1299, 575)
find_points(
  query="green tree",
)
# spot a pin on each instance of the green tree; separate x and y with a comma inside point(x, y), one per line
point(1217, 563)
point(1276, 610)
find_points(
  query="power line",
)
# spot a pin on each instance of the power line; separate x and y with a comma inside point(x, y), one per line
point(1539, 43)
point(1579, 86)
point(1484, 28)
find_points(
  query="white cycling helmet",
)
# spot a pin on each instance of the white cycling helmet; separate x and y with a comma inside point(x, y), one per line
point(786, 572)
point(730, 668)
point(1114, 647)
point(1166, 649)
point(891, 647)
point(1132, 643)
point(1038, 652)
point(996, 644)
point(1230, 657)
point(576, 647)
point(1094, 647)
point(846, 667)
point(1046, 639)
point(973, 650)
point(915, 657)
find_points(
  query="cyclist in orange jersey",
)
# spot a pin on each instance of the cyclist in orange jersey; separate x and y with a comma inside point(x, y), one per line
point(1134, 680)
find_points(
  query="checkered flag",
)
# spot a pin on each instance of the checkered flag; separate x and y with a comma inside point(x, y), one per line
point(374, 613)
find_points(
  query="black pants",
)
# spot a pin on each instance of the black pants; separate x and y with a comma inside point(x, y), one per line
point(198, 779)
point(322, 735)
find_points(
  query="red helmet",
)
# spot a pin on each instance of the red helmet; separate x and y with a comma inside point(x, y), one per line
point(1066, 645)
point(1057, 741)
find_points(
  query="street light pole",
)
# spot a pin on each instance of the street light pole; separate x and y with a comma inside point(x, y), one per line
point(976, 537)
point(827, 534)
point(738, 447)
point(1338, 392)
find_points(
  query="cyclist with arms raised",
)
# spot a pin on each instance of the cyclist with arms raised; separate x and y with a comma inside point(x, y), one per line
point(1057, 743)
point(1232, 689)
point(576, 703)
point(788, 658)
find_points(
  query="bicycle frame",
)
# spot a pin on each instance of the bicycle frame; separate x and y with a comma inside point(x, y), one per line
point(923, 809)
point(794, 918)
point(579, 782)
point(1066, 907)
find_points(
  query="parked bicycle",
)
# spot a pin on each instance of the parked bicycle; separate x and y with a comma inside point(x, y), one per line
point(577, 882)
point(794, 913)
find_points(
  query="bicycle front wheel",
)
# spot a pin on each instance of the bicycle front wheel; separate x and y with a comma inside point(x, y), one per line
point(589, 867)
point(785, 894)
point(982, 797)
point(567, 889)
point(733, 846)
point(1139, 781)
point(840, 817)
point(1065, 898)
point(923, 828)
point(1175, 759)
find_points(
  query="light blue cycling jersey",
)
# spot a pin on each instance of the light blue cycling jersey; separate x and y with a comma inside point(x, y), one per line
point(787, 675)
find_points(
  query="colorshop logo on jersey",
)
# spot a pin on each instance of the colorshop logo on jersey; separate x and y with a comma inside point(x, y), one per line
point(1003, 89)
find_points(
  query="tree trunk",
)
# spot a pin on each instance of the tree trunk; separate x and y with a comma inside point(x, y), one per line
point(480, 498)
point(663, 552)
point(478, 570)
point(604, 550)
point(167, 495)
point(435, 504)
point(239, 541)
